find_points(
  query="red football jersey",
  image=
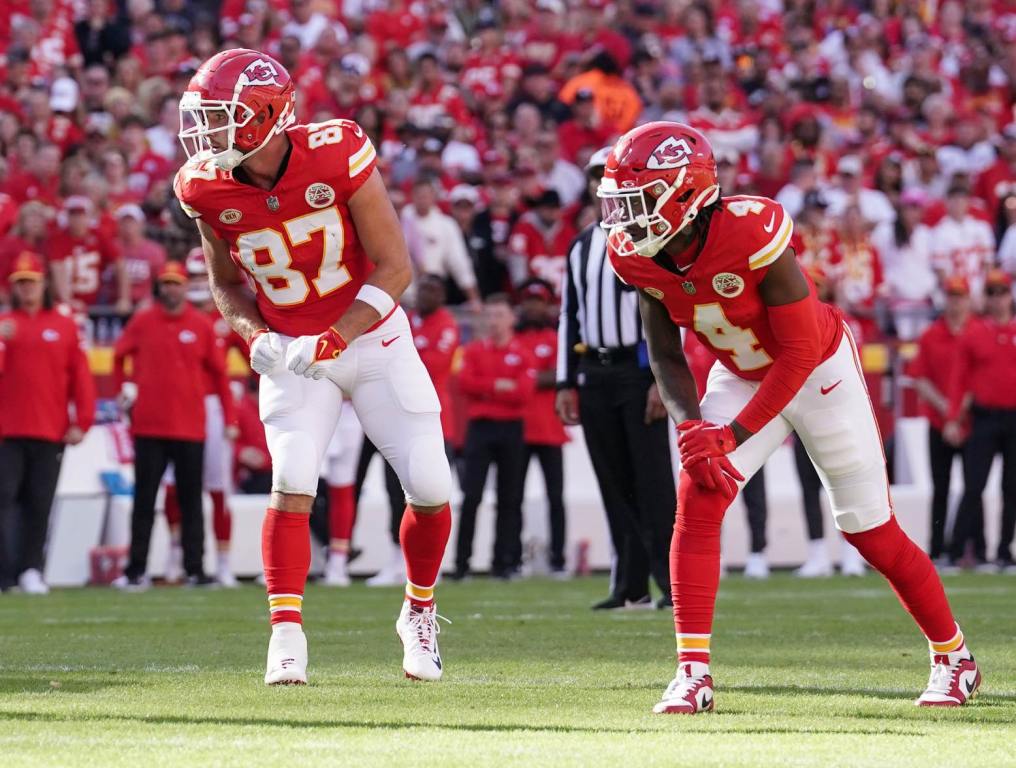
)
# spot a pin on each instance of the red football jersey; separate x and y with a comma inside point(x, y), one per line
point(296, 241)
point(545, 250)
point(89, 257)
point(717, 296)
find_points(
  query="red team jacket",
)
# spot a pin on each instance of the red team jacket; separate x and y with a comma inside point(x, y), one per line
point(542, 425)
point(437, 337)
point(482, 365)
point(936, 356)
point(172, 358)
point(42, 371)
point(717, 296)
point(296, 241)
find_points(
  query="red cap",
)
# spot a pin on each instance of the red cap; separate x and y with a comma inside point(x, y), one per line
point(537, 290)
point(173, 272)
point(956, 285)
point(27, 265)
point(998, 278)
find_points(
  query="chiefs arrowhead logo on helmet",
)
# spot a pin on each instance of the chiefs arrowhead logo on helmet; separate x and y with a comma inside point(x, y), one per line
point(261, 72)
point(669, 153)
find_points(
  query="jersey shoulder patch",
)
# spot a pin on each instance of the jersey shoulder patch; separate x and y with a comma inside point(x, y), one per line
point(354, 150)
point(760, 226)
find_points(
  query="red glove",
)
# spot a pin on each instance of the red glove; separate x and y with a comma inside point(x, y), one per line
point(329, 346)
point(704, 440)
point(703, 448)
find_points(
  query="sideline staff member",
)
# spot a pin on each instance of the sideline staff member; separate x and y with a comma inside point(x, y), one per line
point(174, 352)
point(42, 373)
point(604, 381)
point(985, 369)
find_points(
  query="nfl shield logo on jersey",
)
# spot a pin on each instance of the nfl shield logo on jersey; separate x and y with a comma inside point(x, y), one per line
point(319, 195)
point(689, 287)
point(272, 203)
point(728, 285)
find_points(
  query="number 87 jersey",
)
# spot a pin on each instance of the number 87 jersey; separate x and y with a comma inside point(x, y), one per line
point(296, 241)
point(717, 296)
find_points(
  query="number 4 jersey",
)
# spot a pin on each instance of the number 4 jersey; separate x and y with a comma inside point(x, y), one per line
point(717, 296)
point(296, 240)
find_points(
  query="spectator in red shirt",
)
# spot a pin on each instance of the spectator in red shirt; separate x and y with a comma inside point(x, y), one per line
point(497, 378)
point(39, 179)
point(544, 432)
point(582, 134)
point(983, 384)
point(47, 401)
point(80, 256)
point(436, 334)
point(143, 258)
point(174, 351)
point(931, 371)
point(539, 241)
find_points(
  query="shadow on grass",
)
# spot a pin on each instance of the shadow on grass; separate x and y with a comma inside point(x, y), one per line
point(398, 725)
point(43, 683)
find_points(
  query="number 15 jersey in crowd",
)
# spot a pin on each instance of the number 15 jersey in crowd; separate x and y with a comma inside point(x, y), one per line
point(717, 296)
point(296, 241)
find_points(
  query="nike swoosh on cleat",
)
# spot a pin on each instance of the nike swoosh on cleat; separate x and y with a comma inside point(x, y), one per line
point(387, 342)
point(827, 390)
point(769, 227)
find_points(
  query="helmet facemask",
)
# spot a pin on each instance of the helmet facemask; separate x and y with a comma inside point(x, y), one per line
point(202, 120)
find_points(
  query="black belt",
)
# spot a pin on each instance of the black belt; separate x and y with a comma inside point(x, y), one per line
point(992, 413)
point(611, 355)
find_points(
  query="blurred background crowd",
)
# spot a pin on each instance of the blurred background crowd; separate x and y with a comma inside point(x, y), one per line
point(885, 127)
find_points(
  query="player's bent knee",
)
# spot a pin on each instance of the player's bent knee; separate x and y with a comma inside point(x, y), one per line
point(860, 507)
point(428, 480)
point(295, 464)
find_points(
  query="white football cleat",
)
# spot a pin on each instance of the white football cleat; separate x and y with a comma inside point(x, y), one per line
point(954, 680)
point(392, 575)
point(224, 573)
point(287, 655)
point(818, 565)
point(756, 567)
point(690, 692)
point(31, 583)
point(125, 584)
point(336, 572)
point(851, 562)
point(418, 629)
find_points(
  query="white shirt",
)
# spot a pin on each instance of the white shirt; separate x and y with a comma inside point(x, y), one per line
point(964, 248)
point(1007, 250)
point(567, 180)
point(908, 270)
point(436, 246)
point(873, 204)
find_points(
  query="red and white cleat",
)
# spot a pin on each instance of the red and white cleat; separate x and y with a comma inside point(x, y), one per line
point(287, 655)
point(954, 680)
point(688, 693)
point(418, 629)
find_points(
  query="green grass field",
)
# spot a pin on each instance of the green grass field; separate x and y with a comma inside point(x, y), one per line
point(819, 673)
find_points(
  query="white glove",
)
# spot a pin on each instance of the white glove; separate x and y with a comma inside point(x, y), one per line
point(265, 353)
point(127, 396)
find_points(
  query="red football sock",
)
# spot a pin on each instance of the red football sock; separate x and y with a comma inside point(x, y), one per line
point(341, 509)
point(171, 506)
point(222, 520)
point(285, 551)
point(423, 539)
point(911, 574)
point(695, 565)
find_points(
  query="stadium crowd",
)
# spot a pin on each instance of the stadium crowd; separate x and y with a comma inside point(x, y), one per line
point(886, 129)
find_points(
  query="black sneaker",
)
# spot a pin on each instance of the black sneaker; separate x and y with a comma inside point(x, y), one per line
point(664, 602)
point(611, 603)
point(460, 574)
point(200, 581)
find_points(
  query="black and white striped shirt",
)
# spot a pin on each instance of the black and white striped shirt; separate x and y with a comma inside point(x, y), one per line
point(597, 309)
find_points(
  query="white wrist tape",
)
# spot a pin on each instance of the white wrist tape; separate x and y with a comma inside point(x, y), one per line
point(377, 298)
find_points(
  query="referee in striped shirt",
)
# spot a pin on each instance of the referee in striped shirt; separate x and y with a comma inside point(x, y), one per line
point(604, 383)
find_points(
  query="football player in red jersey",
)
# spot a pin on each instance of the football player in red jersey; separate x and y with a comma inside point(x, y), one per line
point(722, 267)
point(302, 212)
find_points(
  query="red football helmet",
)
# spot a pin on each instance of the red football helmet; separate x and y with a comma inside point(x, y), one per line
point(656, 180)
point(236, 102)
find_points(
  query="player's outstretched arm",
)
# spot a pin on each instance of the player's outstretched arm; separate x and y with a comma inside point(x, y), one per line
point(380, 232)
point(666, 357)
point(229, 290)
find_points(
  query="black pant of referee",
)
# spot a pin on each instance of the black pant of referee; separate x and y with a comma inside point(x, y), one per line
point(632, 464)
point(941, 454)
point(151, 456)
point(491, 441)
point(29, 470)
point(993, 431)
